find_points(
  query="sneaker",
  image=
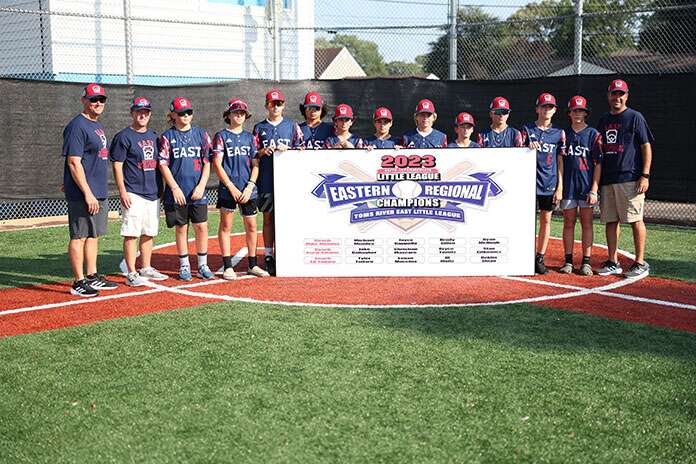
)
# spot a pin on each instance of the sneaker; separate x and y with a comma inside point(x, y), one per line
point(270, 265)
point(133, 279)
point(99, 282)
point(609, 268)
point(229, 274)
point(586, 270)
point(567, 268)
point(83, 288)
point(637, 269)
point(185, 273)
point(258, 272)
point(151, 273)
point(204, 272)
point(540, 267)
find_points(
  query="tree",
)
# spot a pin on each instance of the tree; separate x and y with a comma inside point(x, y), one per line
point(365, 52)
point(670, 31)
point(402, 68)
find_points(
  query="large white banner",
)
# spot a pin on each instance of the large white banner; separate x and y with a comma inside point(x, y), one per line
point(437, 212)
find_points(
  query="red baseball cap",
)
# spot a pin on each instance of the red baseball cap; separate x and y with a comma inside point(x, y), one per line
point(464, 118)
point(343, 111)
point(578, 102)
point(617, 85)
point(179, 105)
point(499, 103)
point(425, 106)
point(546, 99)
point(275, 95)
point(313, 99)
point(93, 90)
point(140, 103)
point(383, 113)
point(238, 105)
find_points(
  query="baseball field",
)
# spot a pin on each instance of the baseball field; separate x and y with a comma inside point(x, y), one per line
point(543, 369)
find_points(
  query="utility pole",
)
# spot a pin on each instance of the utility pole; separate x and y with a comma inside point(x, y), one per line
point(128, 41)
point(577, 55)
point(454, 6)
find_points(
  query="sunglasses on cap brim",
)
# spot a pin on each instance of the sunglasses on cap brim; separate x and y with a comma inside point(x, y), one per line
point(184, 113)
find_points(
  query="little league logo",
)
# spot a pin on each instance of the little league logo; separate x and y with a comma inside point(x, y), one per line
point(406, 196)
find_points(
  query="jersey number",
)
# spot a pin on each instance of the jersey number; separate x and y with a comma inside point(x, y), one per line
point(196, 164)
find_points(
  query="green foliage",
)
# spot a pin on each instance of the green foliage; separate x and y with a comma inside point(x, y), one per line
point(402, 68)
point(670, 31)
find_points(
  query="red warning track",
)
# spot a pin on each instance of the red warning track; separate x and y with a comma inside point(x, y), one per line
point(660, 302)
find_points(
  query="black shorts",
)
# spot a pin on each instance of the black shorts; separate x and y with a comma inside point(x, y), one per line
point(180, 215)
point(545, 202)
point(265, 202)
point(84, 225)
point(246, 209)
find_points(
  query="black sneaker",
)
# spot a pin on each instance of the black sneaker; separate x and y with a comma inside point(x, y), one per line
point(540, 267)
point(99, 282)
point(270, 265)
point(83, 288)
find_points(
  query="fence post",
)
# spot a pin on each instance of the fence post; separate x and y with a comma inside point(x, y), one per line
point(128, 42)
point(275, 18)
point(577, 55)
point(454, 6)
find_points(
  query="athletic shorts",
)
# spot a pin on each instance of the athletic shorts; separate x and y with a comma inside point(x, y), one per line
point(265, 202)
point(572, 204)
point(142, 218)
point(180, 215)
point(545, 202)
point(246, 209)
point(81, 224)
point(621, 203)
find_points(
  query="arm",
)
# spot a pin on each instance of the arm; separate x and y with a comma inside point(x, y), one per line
point(558, 194)
point(643, 183)
point(179, 197)
point(249, 189)
point(225, 179)
point(78, 174)
point(121, 184)
point(199, 191)
point(596, 176)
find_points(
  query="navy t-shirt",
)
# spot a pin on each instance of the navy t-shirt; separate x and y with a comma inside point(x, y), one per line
point(236, 152)
point(583, 152)
point(622, 136)
point(138, 153)
point(354, 139)
point(413, 139)
point(552, 144)
point(472, 144)
point(375, 142)
point(508, 138)
point(184, 153)
point(314, 136)
point(267, 134)
point(86, 139)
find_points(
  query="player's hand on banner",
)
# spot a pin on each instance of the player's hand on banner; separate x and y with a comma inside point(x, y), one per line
point(92, 203)
point(642, 185)
point(347, 144)
point(197, 193)
point(370, 147)
point(535, 145)
point(268, 151)
point(282, 147)
point(125, 200)
point(398, 147)
point(179, 197)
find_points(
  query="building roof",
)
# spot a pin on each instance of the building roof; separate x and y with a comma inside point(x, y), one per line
point(323, 58)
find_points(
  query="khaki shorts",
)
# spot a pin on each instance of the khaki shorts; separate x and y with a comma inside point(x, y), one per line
point(142, 218)
point(621, 203)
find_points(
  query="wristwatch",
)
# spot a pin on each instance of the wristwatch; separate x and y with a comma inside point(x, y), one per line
point(645, 176)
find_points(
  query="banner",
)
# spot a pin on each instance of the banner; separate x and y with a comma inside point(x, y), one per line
point(435, 212)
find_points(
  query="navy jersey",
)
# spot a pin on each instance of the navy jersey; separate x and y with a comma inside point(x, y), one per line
point(472, 144)
point(552, 141)
point(375, 142)
point(508, 138)
point(622, 136)
point(583, 152)
point(86, 139)
point(413, 139)
point(184, 153)
point(138, 153)
point(267, 134)
point(354, 139)
point(314, 136)
point(236, 152)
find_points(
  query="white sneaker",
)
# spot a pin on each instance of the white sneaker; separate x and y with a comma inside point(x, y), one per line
point(258, 272)
point(229, 274)
point(133, 279)
point(151, 273)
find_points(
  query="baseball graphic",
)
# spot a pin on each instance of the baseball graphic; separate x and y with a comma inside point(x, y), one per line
point(407, 189)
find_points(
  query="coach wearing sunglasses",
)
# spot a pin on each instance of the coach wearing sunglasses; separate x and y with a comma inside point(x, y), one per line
point(85, 178)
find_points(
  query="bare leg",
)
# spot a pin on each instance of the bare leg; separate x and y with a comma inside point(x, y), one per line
point(544, 231)
point(201, 232)
point(76, 255)
point(226, 219)
point(91, 250)
point(129, 251)
point(569, 218)
point(612, 230)
point(587, 231)
point(146, 243)
point(251, 238)
point(639, 236)
point(268, 230)
point(182, 240)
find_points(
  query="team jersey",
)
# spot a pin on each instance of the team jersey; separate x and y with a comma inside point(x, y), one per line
point(267, 134)
point(552, 144)
point(86, 139)
point(414, 139)
point(472, 144)
point(314, 136)
point(583, 152)
point(508, 138)
point(375, 142)
point(184, 153)
point(354, 139)
point(622, 136)
point(236, 152)
point(138, 153)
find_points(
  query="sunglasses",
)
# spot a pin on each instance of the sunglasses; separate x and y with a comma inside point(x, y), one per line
point(99, 99)
point(501, 112)
point(277, 103)
point(620, 93)
point(383, 121)
point(185, 113)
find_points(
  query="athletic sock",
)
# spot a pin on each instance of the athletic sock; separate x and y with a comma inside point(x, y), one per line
point(569, 258)
point(268, 251)
point(585, 260)
point(252, 261)
point(202, 260)
point(227, 262)
point(184, 261)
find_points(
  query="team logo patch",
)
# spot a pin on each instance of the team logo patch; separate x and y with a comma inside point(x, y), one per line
point(612, 135)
